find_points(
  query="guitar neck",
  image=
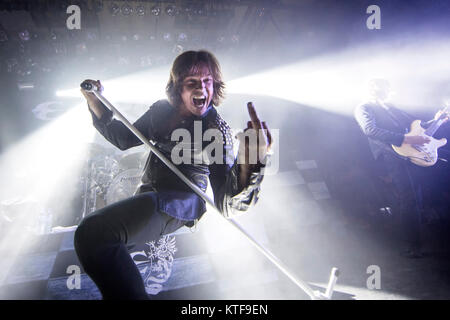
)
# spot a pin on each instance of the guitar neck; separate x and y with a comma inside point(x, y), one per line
point(434, 127)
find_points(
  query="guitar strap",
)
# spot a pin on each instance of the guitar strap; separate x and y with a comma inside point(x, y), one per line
point(396, 122)
point(392, 115)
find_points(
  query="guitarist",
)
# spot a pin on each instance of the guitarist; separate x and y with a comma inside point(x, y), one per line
point(384, 125)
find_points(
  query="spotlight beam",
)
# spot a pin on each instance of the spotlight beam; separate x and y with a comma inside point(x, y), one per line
point(49, 162)
point(337, 82)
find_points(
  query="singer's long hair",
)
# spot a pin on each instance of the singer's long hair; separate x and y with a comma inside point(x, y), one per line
point(187, 64)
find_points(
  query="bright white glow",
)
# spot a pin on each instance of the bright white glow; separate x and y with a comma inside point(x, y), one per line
point(233, 257)
point(338, 82)
point(39, 175)
point(143, 87)
point(47, 155)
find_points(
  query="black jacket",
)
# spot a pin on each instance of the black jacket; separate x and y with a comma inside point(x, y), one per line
point(175, 197)
point(382, 127)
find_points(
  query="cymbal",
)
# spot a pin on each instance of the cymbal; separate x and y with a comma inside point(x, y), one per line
point(132, 160)
point(124, 185)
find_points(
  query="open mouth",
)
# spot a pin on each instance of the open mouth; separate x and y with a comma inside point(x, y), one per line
point(199, 101)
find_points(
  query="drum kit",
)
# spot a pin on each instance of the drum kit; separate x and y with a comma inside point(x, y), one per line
point(109, 176)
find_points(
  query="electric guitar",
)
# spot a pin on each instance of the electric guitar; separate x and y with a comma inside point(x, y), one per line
point(425, 155)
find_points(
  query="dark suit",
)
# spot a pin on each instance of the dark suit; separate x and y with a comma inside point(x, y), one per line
point(384, 128)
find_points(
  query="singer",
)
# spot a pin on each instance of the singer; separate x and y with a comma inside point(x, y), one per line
point(163, 203)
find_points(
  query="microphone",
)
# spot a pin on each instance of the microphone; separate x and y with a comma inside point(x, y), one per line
point(87, 86)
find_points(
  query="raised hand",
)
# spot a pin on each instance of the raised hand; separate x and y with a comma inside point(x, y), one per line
point(255, 144)
point(93, 102)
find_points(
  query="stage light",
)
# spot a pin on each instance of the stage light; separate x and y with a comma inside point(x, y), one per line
point(167, 36)
point(170, 10)
point(177, 49)
point(11, 64)
point(126, 10)
point(81, 48)
point(199, 11)
point(123, 61)
point(146, 61)
point(23, 71)
point(140, 10)
point(156, 10)
point(91, 36)
point(182, 37)
point(25, 85)
point(235, 38)
point(187, 10)
point(114, 9)
point(261, 12)
point(24, 35)
point(46, 69)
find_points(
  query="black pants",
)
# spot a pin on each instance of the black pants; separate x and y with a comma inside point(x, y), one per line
point(102, 240)
point(408, 193)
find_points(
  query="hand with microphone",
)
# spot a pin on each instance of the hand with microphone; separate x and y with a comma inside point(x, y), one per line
point(87, 88)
